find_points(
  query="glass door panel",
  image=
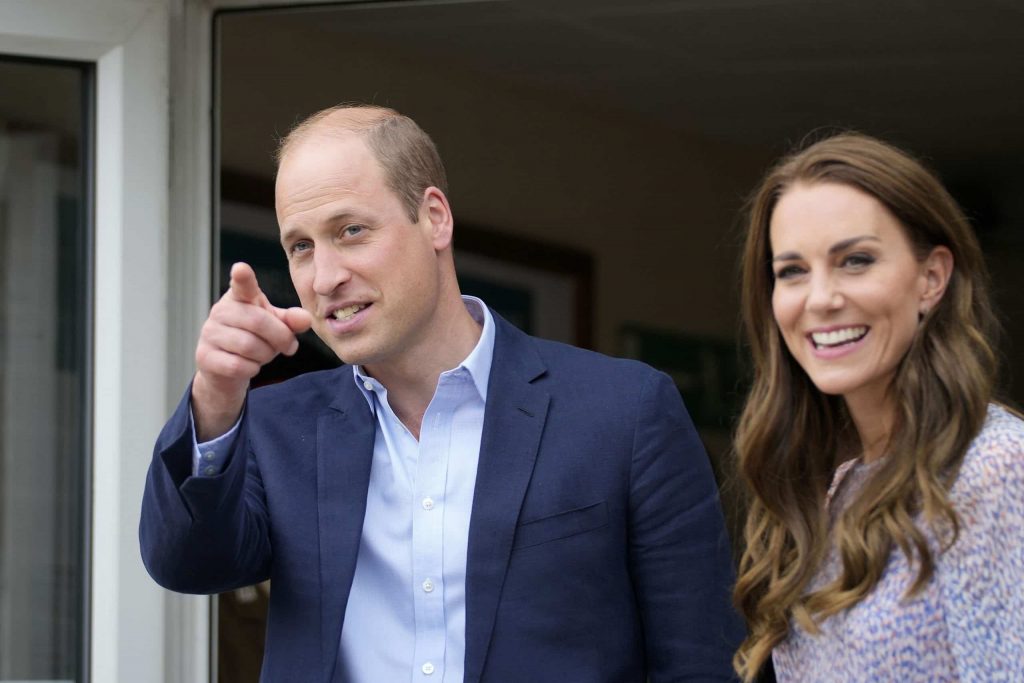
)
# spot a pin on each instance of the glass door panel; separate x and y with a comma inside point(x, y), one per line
point(44, 344)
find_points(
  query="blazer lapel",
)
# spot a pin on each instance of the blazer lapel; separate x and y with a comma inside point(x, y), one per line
point(344, 446)
point(513, 423)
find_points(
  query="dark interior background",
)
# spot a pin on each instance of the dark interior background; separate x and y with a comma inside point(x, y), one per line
point(600, 152)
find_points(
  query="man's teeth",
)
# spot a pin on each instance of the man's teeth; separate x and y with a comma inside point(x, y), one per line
point(348, 312)
point(837, 337)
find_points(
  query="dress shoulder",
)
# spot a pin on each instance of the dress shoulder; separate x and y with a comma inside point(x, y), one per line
point(993, 467)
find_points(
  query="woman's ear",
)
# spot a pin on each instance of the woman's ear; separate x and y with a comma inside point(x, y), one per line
point(937, 268)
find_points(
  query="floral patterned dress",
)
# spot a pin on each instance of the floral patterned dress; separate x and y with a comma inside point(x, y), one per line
point(967, 624)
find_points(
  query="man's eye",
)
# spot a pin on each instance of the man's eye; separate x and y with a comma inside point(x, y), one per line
point(353, 230)
point(301, 246)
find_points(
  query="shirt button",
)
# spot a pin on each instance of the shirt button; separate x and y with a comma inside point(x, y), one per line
point(369, 385)
point(428, 586)
point(209, 456)
point(427, 668)
point(210, 471)
point(428, 503)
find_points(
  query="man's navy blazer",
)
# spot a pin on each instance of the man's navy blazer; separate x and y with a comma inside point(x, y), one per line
point(597, 551)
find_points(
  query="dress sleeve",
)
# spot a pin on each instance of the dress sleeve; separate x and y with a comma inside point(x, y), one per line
point(982, 576)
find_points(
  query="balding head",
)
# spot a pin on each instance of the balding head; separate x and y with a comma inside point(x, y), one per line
point(404, 151)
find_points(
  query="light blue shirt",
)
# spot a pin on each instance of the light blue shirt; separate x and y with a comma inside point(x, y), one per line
point(406, 613)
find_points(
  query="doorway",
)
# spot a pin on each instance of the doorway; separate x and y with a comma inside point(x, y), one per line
point(626, 136)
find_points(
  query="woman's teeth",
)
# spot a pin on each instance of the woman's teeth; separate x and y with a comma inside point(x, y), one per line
point(837, 337)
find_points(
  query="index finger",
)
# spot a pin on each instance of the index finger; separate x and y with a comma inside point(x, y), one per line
point(243, 284)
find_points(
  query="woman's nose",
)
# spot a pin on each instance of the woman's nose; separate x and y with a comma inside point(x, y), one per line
point(824, 295)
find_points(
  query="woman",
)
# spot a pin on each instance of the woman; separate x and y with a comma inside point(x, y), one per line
point(885, 538)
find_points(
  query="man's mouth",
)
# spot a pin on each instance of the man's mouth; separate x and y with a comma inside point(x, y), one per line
point(834, 338)
point(347, 312)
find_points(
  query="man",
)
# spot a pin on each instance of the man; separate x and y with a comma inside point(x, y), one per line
point(461, 502)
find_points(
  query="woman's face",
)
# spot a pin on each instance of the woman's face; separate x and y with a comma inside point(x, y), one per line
point(848, 287)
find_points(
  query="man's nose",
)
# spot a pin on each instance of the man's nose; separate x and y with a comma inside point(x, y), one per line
point(330, 271)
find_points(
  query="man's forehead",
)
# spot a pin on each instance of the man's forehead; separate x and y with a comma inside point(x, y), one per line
point(319, 171)
point(328, 157)
point(314, 141)
point(340, 124)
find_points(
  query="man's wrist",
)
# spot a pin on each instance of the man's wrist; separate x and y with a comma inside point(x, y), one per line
point(215, 410)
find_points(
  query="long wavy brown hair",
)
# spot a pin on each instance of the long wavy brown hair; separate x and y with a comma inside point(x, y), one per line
point(791, 436)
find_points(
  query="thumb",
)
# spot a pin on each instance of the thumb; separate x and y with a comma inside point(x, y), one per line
point(297, 319)
point(243, 284)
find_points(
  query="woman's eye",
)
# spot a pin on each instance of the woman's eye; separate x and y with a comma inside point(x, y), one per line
point(858, 260)
point(787, 272)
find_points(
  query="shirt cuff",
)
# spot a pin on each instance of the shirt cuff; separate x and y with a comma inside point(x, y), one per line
point(208, 457)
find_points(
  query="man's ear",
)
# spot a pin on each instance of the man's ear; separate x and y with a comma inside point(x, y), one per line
point(438, 213)
point(937, 268)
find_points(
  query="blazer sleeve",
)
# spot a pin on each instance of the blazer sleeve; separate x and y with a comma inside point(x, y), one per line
point(203, 534)
point(680, 555)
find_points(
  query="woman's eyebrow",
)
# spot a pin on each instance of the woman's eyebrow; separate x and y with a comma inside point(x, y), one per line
point(842, 245)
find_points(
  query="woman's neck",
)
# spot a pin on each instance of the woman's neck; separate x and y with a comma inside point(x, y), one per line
point(873, 416)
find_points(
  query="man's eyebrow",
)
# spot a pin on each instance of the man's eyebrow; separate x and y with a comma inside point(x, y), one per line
point(841, 245)
point(288, 234)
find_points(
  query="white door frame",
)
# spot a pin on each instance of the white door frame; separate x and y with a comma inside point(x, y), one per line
point(139, 261)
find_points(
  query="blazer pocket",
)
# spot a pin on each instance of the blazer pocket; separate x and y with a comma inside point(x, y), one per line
point(561, 525)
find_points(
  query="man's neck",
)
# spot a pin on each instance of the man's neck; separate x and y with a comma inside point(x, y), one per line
point(411, 380)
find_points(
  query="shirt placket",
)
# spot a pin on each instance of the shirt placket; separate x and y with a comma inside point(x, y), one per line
point(427, 532)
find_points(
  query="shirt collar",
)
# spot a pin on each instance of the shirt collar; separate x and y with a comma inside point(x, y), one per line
point(477, 363)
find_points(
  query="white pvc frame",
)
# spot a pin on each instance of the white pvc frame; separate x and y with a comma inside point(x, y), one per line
point(137, 631)
point(152, 285)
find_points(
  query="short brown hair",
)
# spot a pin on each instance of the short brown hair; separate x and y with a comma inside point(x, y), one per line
point(405, 152)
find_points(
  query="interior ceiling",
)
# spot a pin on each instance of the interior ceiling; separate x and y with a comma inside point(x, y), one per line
point(941, 75)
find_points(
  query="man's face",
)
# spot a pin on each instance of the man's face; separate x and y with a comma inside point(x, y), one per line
point(368, 275)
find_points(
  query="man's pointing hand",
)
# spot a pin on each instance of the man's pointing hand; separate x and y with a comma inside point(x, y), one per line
point(243, 332)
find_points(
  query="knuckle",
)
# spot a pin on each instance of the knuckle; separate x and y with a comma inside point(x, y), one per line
point(238, 366)
point(254, 348)
point(252, 317)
